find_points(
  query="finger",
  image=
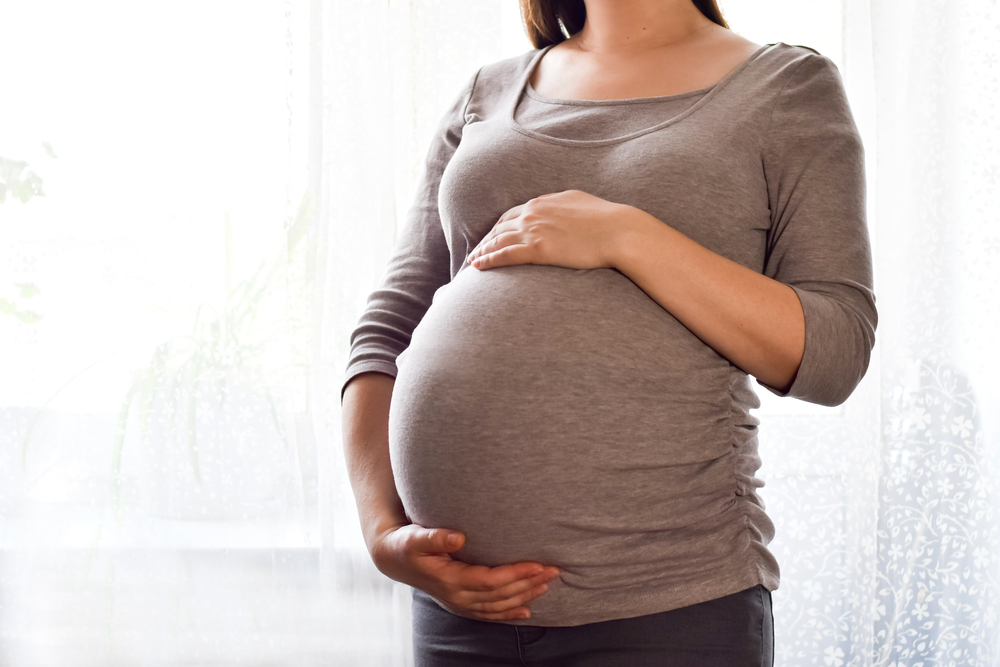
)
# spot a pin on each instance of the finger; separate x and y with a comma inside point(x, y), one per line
point(510, 614)
point(510, 596)
point(482, 578)
point(518, 253)
point(508, 225)
point(490, 236)
point(511, 213)
point(500, 606)
point(491, 243)
point(437, 540)
point(513, 589)
point(498, 240)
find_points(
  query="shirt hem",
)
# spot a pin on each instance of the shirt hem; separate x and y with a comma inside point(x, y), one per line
point(658, 602)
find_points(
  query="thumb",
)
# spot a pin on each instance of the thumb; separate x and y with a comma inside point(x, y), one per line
point(445, 540)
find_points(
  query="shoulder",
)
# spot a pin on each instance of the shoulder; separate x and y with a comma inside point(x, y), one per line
point(799, 61)
point(783, 73)
point(793, 75)
point(809, 107)
point(495, 82)
point(507, 71)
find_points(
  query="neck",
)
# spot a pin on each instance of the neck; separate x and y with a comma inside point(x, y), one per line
point(624, 26)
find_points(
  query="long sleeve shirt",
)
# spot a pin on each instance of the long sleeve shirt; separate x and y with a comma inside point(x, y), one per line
point(562, 415)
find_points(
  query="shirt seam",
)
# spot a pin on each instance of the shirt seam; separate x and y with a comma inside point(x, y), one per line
point(520, 647)
point(763, 153)
point(472, 93)
point(777, 100)
point(600, 143)
point(538, 97)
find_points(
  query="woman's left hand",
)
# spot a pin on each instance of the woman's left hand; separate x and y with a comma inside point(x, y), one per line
point(571, 229)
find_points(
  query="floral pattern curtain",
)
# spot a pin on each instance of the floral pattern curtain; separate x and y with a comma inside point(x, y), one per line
point(938, 538)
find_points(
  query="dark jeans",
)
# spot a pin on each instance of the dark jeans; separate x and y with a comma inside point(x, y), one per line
point(732, 631)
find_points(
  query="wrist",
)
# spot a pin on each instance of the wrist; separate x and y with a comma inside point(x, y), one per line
point(632, 229)
point(379, 548)
point(377, 527)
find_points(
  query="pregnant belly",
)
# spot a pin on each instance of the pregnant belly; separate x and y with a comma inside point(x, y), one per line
point(548, 413)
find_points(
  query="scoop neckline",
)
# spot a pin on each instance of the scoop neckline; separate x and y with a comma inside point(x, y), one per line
point(524, 86)
point(530, 91)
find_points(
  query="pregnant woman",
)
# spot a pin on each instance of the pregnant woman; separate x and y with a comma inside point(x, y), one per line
point(547, 404)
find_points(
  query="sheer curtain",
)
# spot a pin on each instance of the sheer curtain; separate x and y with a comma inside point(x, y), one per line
point(195, 201)
point(936, 573)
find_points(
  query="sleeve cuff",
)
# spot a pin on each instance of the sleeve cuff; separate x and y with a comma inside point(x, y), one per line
point(834, 359)
point(357, 368)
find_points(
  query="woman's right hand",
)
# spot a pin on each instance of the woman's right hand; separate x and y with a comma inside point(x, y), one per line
point(420, 557)
point(409, 553)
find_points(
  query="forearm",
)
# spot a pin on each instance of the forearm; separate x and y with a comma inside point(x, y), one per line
point(366, 448)
point(755, 322)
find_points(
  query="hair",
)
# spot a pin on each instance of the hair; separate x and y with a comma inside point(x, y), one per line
point(544, 20)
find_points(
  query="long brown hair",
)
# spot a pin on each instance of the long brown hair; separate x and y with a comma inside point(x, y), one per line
point(541, 18)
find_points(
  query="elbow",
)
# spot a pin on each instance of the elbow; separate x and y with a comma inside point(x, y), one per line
point(837, 353)
point(830, 383)
point(842, 385)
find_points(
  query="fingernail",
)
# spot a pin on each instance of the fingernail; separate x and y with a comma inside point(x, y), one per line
point(453, 540)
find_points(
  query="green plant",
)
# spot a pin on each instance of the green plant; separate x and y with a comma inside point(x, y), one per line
point(14, 305)
point(19, 181)
point(22, 184)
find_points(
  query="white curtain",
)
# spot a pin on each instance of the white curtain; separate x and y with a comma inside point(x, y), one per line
point(219, 188)
point(935, 577)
